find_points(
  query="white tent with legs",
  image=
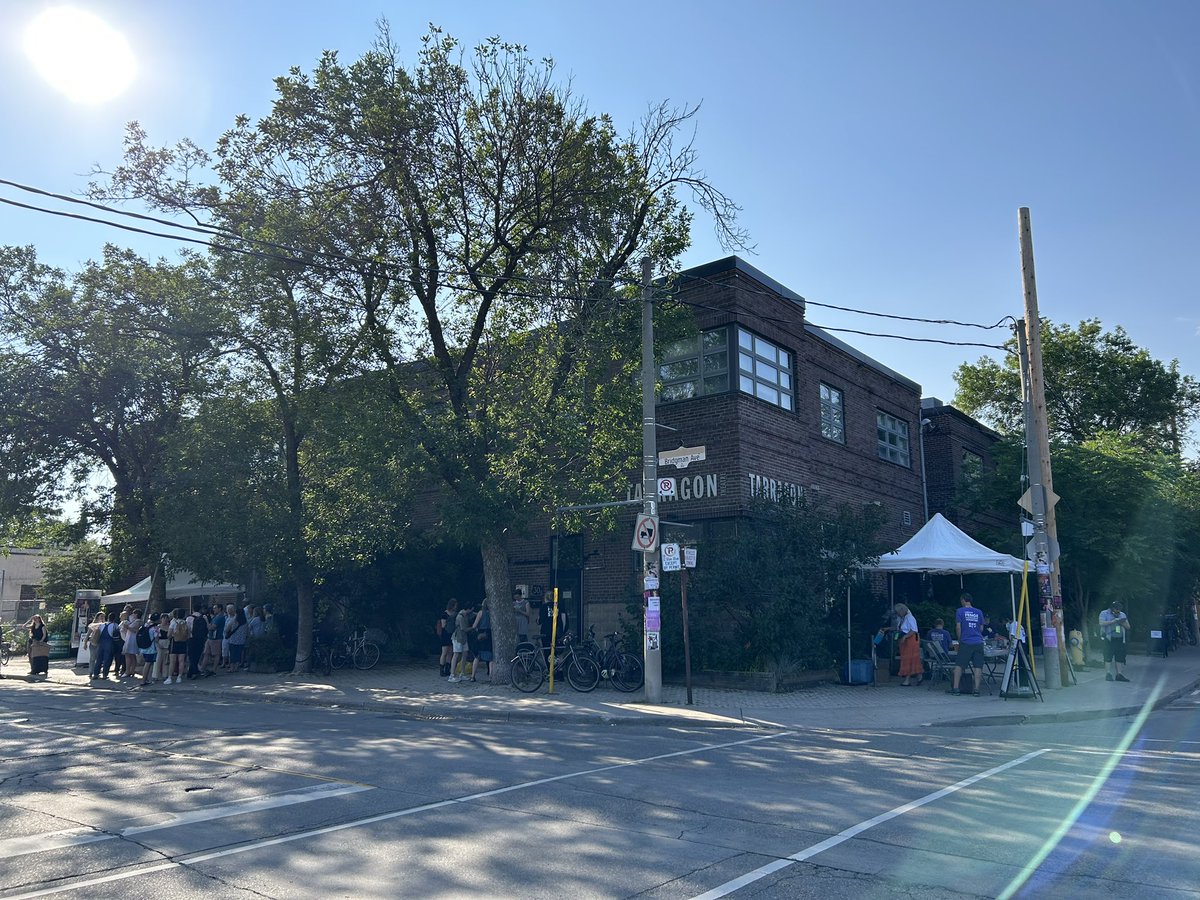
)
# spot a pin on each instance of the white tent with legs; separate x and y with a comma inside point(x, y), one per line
point(941, 548)
point(180, 585)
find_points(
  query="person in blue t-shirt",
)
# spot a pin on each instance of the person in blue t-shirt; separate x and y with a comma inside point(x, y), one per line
point(968, 623)
point(939, 635)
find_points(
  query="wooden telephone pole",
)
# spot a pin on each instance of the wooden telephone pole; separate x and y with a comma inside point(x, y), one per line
point(1041, 488)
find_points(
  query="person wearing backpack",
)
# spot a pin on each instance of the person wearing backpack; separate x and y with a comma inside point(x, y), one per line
point(147, 640)
point(179, 646)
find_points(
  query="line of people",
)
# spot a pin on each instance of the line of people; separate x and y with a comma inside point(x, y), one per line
point(169, 647)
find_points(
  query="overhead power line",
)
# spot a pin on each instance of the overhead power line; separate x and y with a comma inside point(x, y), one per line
point(292, 255)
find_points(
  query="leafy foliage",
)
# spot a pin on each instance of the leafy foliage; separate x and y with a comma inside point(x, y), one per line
point(1096, 383)
point(773, 596)
point(85, 565)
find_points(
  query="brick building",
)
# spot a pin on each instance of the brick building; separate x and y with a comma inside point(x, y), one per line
point(958, 450)
point(758, 401)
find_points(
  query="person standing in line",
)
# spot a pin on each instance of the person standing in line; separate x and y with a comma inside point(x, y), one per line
point(39, 647)
point(162, 639)
point(458, 638)
point(96, 634)
point(179, 646)
point(968, 624)
point(197, 638)
point(230, 623)
point(483, 641)
point(118, 642)
point(212, 646)
point(1114, 626)
point(129, 631)
point(910, 646)
point(109, 634)
point(150, 654)
point(445, 632)
point(237, 640)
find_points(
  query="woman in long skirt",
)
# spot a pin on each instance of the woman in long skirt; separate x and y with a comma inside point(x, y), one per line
point(910, 647)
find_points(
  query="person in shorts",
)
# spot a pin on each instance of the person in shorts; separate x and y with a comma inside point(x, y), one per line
point(1114, 626)
point(968, 624)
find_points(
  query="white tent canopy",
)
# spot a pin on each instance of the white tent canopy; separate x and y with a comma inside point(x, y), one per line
point(181, 584)
point(941, 547)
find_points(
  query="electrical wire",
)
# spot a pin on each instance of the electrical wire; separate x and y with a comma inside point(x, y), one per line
point(306, 259)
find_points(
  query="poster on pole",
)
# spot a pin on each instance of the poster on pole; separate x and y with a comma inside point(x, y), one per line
point(689, 557)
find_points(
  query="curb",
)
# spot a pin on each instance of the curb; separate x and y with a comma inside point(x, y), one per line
point(1083, 715)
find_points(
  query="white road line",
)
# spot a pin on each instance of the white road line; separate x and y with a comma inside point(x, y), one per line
point(74, 837)
point(382, 817)
point(854, 830)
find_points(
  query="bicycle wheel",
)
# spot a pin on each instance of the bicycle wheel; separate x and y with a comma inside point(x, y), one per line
point(526, 676)
point(583, 674)
point(627, 673)
point(4, 657)
point(366, 656)
point(338, 657)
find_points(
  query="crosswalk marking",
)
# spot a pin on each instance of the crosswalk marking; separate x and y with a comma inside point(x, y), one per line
point(74, 837)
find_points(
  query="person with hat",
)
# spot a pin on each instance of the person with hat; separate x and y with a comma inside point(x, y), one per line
point(1114, 627)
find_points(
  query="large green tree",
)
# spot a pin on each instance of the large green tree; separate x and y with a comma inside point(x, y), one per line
point(97, 370)
point(478, 223)
point(1097, 382)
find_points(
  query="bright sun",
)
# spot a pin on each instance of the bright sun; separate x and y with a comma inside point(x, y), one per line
point(79, 54)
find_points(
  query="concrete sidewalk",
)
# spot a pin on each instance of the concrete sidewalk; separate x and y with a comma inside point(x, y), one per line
point(416, 691)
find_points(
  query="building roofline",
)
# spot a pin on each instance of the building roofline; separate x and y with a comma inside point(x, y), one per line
point(939, 408)
point(823, 335)
point(737, 264)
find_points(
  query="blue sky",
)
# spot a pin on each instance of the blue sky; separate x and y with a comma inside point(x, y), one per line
point(880, 150)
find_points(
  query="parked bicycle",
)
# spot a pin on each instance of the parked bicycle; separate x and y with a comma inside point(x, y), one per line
point(531, 666)
point(623, 670)
point(355, 650)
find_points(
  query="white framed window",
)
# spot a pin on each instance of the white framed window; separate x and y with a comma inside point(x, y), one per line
point(764, 369)
point(695, 366)
point(892, 435)
point(833, 416)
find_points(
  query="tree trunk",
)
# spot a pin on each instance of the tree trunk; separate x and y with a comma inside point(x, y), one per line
point(499, 592)
point(304, 624)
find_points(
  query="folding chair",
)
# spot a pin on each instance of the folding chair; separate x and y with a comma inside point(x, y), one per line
point(937, 661)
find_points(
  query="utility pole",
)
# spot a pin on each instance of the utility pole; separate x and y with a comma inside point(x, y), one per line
point(651, 642)
point(1042, 497)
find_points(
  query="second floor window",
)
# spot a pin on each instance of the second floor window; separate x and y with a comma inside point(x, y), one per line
point(833, 421)
point(695, 366)
point(764, 369)
point(892, 434)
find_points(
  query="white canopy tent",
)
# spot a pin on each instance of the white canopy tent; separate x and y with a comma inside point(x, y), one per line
point(181, 584)
point(941, 548)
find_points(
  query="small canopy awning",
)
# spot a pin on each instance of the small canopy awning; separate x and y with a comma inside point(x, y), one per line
point(941, 547)
point(181, 584)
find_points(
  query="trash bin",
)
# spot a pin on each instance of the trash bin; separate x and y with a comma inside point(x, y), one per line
point(858, 671)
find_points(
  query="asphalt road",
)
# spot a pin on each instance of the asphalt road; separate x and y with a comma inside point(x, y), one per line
point(123, 795)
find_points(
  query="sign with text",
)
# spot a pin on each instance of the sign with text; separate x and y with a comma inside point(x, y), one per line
point(666, 487)
point(689, 557)
point(670, 557)
point(681, 458)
